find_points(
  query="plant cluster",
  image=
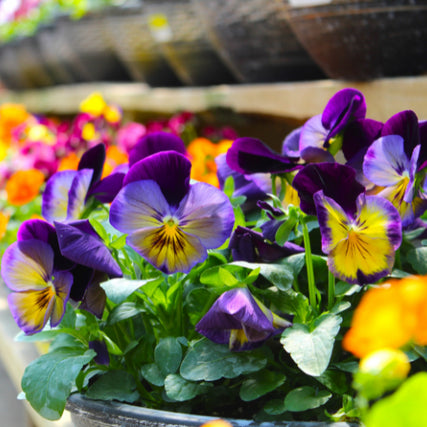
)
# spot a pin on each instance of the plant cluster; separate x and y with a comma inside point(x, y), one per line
point(250, 298)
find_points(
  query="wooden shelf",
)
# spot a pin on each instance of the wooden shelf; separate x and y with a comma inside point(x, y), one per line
point(296, 100)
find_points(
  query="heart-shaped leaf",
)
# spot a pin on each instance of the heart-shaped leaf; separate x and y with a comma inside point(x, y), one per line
point(311, 350)
point(303, 398)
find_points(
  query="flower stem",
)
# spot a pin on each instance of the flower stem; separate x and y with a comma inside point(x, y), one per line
point(331, 290)
point(312, 291)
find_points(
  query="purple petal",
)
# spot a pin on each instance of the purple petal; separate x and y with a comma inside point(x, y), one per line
point(249, 245)
point(78, 193)
point(155, 142)
point(84, 248)
point(36, 229)
point(337, 181)
point(106, 189)
point(140, 204)
point(313, 134)
point(94, 159)
point(250, 155)
point(55, 196)
point(206, 213)
point(102, 357)
point(317, 155)
point(234, 309)
point(171, 171)
point(346, 105)
point(254, 187)
point(27, 265)
point(386, 161)
point(290, 146)
point(359, 135)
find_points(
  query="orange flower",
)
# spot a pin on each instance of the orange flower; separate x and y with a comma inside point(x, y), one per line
point(24, 186)
point(115, 156)
point(389, 316)
point(4, 220)
point(69, 162)
point(11, 115)
point(202, 153)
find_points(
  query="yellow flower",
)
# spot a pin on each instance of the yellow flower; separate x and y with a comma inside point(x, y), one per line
point(24, 186)
point(4, 220)
point(94, 104)
point(389, 316)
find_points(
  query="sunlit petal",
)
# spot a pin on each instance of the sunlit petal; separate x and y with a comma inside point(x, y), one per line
point(206, 213)
point(55, 196)
point(78, 192)
point(27, 265)
point(360, 249)
point(140, 204)
point(385, 161)
point(313, 134)
point(168, 248)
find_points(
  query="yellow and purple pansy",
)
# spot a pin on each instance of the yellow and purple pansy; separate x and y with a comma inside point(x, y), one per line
point(170, 222)
point(360, 233)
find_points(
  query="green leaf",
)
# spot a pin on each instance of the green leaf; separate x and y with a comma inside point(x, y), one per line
point(47, 381)
point(114, 385)
point(406, 407)
point(275, 407)
point(280, 275)
point(179, 389)
point(208, 361)
point(123, 311)
point(260, 383)
point(168, 355)
point(417, 258)
point(312, 349)
point(152, 374)
point(118, 290)
point(304, 398)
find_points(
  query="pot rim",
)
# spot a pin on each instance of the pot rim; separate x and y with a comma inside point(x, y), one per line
point(80, 405)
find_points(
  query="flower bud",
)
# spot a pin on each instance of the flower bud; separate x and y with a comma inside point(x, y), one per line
point(381, 371)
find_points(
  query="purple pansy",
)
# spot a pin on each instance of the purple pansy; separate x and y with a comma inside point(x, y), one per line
point(251, 246)
point(47, 266)
point(155, 142)
point(67, 192)
point(170, 222)
point(239, 320)
point(394, 162)
point(317, 137)
point(251, 155)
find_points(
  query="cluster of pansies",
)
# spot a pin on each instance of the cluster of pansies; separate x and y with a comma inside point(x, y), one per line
point(183, 267)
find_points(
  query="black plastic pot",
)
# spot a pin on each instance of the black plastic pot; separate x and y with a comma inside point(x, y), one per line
point(91, 45)
point(176, 27)
point(364, 39)
point(95, 413)
point(255, 40)
point(130, 36)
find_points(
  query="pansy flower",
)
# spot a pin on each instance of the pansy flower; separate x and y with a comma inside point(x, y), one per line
point(251, 155)
point(155, 142)
point(320, 137)
point(393, 162)
point(360, 233)
point(68, 192)
point(168, 221)
point(77, 249)
point(40, 293)
point(251, 246)
point(241, 321)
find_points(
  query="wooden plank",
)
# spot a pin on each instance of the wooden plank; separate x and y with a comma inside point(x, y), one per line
point(298, 100)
